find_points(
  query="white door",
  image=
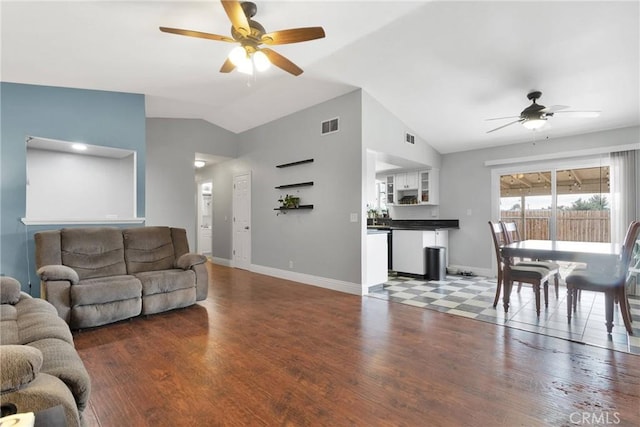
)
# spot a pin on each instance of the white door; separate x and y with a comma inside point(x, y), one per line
point(242, 221)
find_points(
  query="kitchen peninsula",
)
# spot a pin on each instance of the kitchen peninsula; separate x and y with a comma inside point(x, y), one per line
point(407, 240)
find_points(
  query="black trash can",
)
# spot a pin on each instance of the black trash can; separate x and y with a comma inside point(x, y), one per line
point(436, 262)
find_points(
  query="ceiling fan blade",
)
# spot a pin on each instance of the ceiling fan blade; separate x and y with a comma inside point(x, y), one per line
point(227, 67)
point(282, 62)
point(293, 35)
point(553, 109)
point(579, 114)
point(502, 118)
point(236, 16)
point(197, 34)
point(504, 126)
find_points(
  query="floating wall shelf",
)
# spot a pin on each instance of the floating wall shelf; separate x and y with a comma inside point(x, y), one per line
point(301, 162)
point(300, 184)
point(293, 209)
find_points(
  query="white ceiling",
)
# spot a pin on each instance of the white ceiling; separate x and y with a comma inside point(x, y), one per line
point(442, 67)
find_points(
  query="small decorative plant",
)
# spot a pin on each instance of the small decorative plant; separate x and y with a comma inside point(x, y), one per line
point(289, 202)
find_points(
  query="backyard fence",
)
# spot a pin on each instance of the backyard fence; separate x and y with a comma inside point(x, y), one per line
point(572, 225)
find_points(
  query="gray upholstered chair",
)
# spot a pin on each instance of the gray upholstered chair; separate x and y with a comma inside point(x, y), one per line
point(613, 286)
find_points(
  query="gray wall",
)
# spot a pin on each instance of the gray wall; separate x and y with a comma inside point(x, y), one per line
point(465, 187)
point(171, 189)
point(321, 242)
point(383, 132)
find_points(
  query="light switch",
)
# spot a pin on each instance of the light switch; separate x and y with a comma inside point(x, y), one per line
point(469, 212)
point(354, 217)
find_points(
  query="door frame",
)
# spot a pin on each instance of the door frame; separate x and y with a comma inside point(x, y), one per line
point(234, 213)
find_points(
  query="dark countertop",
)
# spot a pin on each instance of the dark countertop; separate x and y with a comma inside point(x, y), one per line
point(413, 224)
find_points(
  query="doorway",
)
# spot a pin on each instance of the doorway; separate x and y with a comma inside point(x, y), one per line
point(204, 236)
point(241, 256)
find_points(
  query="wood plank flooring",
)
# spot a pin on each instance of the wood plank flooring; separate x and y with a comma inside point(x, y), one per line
point(261, 351)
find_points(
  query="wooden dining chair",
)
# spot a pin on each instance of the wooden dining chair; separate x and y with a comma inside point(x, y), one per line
point(511, 234)
point(536, 276)
point(613, 286)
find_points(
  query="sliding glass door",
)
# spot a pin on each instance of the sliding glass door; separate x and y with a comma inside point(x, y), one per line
point(526, 198)
point(561, 203)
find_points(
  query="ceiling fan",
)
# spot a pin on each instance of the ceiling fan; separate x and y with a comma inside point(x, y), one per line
point(251, 35)
point(535, 115)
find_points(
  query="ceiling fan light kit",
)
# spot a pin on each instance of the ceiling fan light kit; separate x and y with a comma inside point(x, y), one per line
point(249, 56)
point(534, 124)
point(535, 116)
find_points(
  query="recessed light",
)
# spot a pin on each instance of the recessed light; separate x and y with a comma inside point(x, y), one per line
point(199, 163)
point(79, 147)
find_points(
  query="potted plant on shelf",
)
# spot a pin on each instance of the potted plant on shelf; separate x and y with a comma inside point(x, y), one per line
point(289, 202)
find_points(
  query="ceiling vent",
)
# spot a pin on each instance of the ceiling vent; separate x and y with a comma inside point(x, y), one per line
point(411, 139)
point(330, 126)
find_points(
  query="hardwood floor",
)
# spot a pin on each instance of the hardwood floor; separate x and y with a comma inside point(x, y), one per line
point(265, 351)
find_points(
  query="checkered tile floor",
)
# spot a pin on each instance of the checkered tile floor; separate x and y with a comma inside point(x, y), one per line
point(472, 297)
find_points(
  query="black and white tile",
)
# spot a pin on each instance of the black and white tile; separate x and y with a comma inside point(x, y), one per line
point(472, 297)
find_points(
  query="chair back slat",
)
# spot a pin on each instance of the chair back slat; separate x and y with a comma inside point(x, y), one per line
point(510, 230)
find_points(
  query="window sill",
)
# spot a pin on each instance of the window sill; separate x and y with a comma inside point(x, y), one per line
point(87, 221)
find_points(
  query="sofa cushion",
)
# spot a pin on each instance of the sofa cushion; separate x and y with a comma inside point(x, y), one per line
point(93, 252)
point(20, 365)
point(148, 249)
point(102, 290)
point(38, 319)
point(157, 282)
point(9, 290)
point(89, 316)
point(8, 325)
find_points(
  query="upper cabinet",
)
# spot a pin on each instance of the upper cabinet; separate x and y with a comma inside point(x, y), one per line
point(429, 183)
point(407, 181)
point(413, 188)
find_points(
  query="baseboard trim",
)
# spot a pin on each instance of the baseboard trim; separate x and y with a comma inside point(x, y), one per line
point(485, 272)
point(220, 261)
point(308, 279)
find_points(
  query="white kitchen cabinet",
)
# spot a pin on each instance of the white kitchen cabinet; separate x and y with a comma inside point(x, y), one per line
point(429, 185)
point(408, 251)
point(414, 188)
point(407, 181)
point(391, 189)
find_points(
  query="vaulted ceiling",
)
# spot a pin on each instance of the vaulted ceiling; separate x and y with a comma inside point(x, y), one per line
point(442, 67)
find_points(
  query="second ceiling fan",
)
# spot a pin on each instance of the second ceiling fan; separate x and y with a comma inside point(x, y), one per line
point(535, 115)
point(249, 55)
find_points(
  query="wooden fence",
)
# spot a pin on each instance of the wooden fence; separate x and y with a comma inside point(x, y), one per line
point(572, 225)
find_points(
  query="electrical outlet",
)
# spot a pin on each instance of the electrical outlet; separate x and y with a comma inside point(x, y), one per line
point(354, 217)
point(290, 264)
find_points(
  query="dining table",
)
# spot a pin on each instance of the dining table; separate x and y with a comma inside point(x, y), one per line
point(598, 256)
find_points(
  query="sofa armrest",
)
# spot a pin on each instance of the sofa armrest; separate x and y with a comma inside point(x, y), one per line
point(20, 366)
point(10, 290)
point(58, 272)
point(189, 260)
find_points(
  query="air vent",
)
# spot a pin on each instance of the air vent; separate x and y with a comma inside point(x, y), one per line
point(411, 139)
point(330, 126)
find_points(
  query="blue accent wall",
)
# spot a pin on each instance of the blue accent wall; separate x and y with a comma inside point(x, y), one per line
point(95, 117)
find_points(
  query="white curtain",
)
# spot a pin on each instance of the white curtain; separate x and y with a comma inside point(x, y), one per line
point(624, 182)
